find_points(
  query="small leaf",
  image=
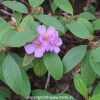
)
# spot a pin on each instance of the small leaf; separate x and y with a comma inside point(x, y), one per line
point(53, 65)
point(96, 24)
point(87, 24)
point(95, 97)
point(80, 86)
point(87, 72)
point(95, 54)
point(28, 23)
point(27, 59)
point(51, 21)
point(18, 17)
point(97, 89)
point(12, 74)
point(53, 6)
point(64, 5)
point(35, 3)
point(73, 57)
point(39, 67)
point(87, 15)
point(17, 6)
point(79, 30)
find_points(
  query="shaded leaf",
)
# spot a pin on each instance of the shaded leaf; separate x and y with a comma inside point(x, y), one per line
point(73, 57)
point(53, 65)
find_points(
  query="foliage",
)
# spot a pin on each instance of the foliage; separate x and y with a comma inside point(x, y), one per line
point(14, 67)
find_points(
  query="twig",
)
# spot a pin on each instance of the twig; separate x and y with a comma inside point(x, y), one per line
point(47, 82)
point(5, 12)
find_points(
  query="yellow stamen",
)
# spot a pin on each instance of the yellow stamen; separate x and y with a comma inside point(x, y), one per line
point(37, 42)
point(46, 36)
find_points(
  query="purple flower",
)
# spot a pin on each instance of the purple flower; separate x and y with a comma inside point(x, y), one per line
point(47, 40)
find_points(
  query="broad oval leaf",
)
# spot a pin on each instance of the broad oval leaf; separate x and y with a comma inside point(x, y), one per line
point(28, 23)
point(79, 30)
point(96, 24)
point(95, 65)
point(95, 54)
point(87, 24)
point(18, 39)
point(26, 88)
point(87, 15)
point(17, 6)
point(51, 21)
point(54, 65)
point(87, 71)
point(73, 57)
point(80, 86)
point(65, 5)
point(12, 74)
point(35, 3)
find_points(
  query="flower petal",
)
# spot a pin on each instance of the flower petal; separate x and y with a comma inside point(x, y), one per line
point(51, 30)
point(59, 42)
point(29, 48)
point(41, 29)
point(38, 53)
point(56, 49)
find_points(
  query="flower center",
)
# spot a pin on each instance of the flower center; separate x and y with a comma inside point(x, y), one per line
point(45, 36)
point(37, 43)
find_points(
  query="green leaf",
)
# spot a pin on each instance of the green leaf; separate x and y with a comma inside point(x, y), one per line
point(5, 92)
point(95, 54)
point(51, 21)
point(39, 67)
point(18, 17)
point(27, 59)
point(94, 60)
point(80, 86)
point(53, 6)
point(73, 57)
point(15, 76)
point(26, 88)
point(17, 6)
point(95, 97)
point(2, 58)
point(64, 5)
point(87, 24)
point(53, 65)
point(35, 3)
point(87, 72)
point(87, 15)
point(78, 30)
point(97, 89)
point(39, 92)
point(12, 74)
point(96, 24)
point(28, 23)
point(2, 98)
point(18, 39)
point(3, 30)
